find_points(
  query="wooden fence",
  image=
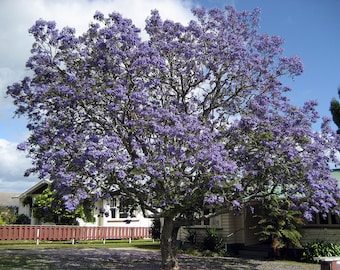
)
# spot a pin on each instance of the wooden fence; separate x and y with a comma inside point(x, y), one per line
point(59, 232)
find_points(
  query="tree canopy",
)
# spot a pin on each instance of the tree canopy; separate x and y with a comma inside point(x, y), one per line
point(196, 115)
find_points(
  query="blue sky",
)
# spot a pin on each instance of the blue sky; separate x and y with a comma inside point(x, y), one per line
point(311, 29)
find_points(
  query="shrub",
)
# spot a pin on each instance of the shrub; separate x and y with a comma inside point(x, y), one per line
point(23, 219)
point(213, 242)
point(319, 249)
point(2, 222)
point(8, 214)
point(191, 237)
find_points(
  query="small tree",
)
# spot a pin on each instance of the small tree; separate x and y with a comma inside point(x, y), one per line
point(49, 207)
point(279, 223)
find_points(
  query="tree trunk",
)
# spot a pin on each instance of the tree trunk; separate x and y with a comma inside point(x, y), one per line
point(276, 247)
point(168, 245)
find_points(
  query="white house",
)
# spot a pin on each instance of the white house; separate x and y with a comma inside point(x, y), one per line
point(113, 212)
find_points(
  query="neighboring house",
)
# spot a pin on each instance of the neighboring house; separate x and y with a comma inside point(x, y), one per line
point(326, 229)
point(9, 199)
point(236, 232)
point(112, 212)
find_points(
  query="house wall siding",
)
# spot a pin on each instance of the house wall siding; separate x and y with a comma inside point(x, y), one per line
point(327, 234)
point(232, 230)
point(228, 226)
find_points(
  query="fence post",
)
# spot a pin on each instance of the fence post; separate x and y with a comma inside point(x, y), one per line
point(105, 235)
point(38, 232)
point(73, 235)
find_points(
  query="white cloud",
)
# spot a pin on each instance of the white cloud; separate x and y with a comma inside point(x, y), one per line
point(12, 168)
point(17, 16)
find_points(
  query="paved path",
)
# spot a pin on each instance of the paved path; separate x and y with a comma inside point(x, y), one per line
point(113, 258)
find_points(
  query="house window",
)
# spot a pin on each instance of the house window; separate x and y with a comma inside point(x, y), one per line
point(313, 221)
point(335, 219)
point(323, 220)
point(113, 202)
point(121, 208)
point(113, 212)
point(206, 221)
point(214, 221)
point(113, 207)
point(124, 208)
point(330, 219)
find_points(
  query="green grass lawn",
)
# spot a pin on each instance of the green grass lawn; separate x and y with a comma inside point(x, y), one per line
point(81, 255)
point(140, 243)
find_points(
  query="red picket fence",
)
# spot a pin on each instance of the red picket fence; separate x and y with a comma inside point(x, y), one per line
point(60, 232)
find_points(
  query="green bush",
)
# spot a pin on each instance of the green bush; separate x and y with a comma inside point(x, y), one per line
point(319, 249)
point(191, 237)
point(2, 222)
point(213, 242)
point(23, 219)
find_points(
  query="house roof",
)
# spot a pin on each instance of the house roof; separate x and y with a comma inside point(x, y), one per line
point(36, 189)
point(9, 199)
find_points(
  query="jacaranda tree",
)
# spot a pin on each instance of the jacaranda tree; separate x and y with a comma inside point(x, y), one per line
point(194, 116)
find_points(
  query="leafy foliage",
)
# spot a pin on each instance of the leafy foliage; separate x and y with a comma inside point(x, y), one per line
point(194, 116)
point(213, 241)
point(8, 214)
point(23, 219)
point(1, 221)
point(49, 207)
point(320, 249)
point(279, 223)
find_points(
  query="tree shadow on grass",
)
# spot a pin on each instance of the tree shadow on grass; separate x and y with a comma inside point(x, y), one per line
point(149, 247)
point(226, 263)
